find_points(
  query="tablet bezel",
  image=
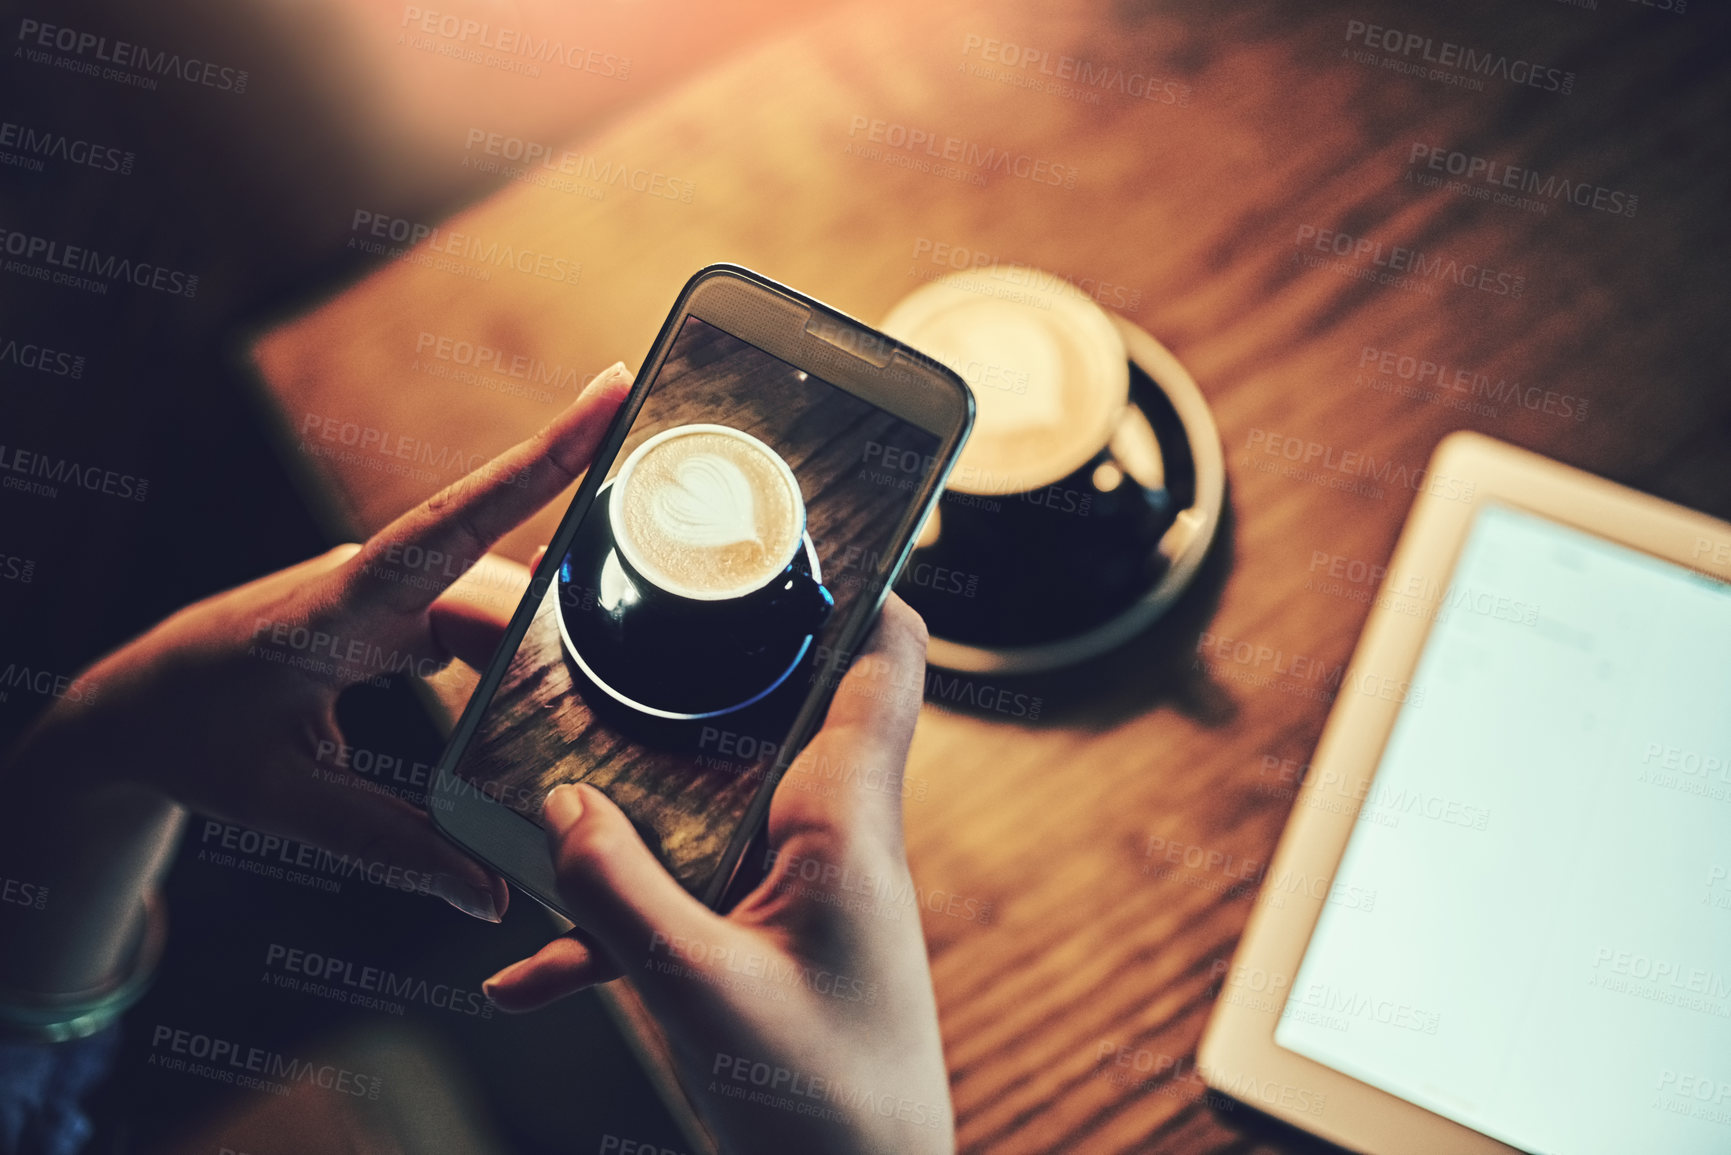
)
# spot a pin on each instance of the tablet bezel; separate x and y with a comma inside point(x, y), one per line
point(1238, 1057)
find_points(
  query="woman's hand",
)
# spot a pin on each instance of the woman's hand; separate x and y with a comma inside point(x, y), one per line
point(804, 1020)
point(229, 706)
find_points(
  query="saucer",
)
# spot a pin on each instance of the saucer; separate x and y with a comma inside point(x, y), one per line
point(1167, 400)
point(593, 594)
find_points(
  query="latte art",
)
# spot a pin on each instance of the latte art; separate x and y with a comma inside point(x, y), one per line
point(707, 512)
point(1050, 376)
point(708, 505)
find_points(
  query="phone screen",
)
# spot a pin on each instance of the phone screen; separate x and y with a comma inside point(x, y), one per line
point(746, 515)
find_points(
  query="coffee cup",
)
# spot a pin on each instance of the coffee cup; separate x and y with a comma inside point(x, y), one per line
point(1057, 507)
point(1049, 373)
point(707, 583)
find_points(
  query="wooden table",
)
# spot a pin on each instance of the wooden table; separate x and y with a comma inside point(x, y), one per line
point(1236, 181)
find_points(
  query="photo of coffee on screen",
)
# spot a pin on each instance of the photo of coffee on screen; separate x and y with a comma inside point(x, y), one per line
point(707, 512)
point(740, 523)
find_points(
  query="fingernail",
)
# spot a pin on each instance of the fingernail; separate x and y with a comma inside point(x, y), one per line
point(489, 985)
point(472, 900)
point(615, 373)
point(564, 806)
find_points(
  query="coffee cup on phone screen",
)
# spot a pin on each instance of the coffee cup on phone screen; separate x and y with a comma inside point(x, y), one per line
point(708, 523)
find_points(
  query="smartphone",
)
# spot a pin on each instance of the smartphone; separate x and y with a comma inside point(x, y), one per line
point(723, 559)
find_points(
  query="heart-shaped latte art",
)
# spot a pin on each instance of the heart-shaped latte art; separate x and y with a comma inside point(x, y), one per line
point(709, 503)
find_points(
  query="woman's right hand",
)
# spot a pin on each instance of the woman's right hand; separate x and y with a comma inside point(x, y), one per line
point(803, 1020)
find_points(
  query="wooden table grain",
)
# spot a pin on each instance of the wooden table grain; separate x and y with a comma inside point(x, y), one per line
point(1270, 190)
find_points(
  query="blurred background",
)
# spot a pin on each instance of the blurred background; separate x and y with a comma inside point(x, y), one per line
point(436, 221)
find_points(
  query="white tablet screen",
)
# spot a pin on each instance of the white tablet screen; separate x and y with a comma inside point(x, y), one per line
point(1548, 834)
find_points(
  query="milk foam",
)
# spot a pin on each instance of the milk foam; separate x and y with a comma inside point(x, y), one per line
point(1049, 373)
point(707, 512)
point(708, 504)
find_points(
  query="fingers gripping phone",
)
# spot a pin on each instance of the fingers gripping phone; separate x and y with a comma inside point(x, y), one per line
point(724, 557)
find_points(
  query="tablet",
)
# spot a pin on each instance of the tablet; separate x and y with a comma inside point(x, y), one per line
point(1499, 917)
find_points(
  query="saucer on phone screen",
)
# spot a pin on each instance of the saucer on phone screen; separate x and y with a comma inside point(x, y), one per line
point(699, 678)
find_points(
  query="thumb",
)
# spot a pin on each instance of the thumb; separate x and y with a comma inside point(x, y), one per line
point(614, 887)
